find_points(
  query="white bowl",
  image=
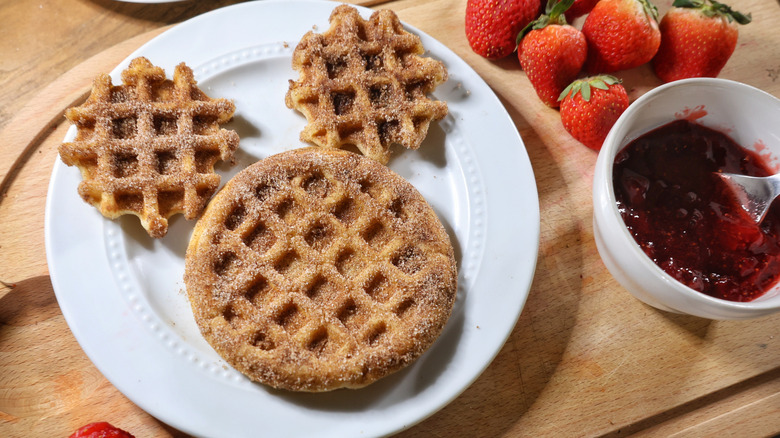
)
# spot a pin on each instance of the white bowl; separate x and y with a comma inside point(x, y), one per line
point(750, 117)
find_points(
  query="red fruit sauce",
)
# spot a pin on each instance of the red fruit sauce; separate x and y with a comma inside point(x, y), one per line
point(684, 217)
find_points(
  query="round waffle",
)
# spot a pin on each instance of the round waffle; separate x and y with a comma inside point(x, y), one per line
point(148, 147)
point(318, 269)
point(364, 83)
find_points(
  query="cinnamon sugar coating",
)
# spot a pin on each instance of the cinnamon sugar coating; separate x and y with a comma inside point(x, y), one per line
point(364, 83)
point(319, 269)
point(148, 147)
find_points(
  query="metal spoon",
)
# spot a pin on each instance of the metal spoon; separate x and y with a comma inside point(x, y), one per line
point(754, 193)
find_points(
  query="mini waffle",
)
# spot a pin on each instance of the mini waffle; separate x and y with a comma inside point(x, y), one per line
point(318, 269)
point(364, 83)
point(148, 147)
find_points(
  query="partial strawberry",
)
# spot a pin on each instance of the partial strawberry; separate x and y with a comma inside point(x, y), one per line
point(580, 8)
point(621, 34)
point(492, 25)
point(100, 429)
point(589, 108)
point(697, 39)
point(552, 52)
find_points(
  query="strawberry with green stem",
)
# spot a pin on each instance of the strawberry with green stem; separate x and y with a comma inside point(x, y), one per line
point(697, 39)
point(591, 106)
point(621, 34)
point(551, 52)
point(492, 25)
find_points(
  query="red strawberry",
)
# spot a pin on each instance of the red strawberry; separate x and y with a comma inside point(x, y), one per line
point(552, 53)
point(589, 108)
point(697, 38)
point(621, 34)
point(580, 8)
point(100, 430)
point(492, 25)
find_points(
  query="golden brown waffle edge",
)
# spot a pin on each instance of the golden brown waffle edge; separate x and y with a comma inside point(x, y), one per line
point(319, 269)
point(365, 83)
point(148, 147)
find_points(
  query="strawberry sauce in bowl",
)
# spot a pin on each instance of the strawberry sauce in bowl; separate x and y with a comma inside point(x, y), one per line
point(665, 225)
point(684, 217)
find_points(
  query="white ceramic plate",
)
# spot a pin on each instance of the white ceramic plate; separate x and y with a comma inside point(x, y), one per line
point(122, 292)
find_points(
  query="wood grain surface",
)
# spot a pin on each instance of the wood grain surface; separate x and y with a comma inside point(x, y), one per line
point(585, 359)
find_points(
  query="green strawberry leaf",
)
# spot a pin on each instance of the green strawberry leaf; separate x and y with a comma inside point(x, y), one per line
point(740, 17)
point(713, 8)
point(555, 10)
point(688, 3)
point(599, 83)
point(609, 79)
point(586, 91)
point(566, 91)
point(650, 9)
point(528, 27)
point(556, 13)
point(725, 10)
point(583, 86)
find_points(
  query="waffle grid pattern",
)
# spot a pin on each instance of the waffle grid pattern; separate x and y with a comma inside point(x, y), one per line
point(364, 83)
point(336, 278)
point(148, 147)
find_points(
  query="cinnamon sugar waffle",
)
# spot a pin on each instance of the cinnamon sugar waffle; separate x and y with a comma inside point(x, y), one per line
point(364, 83)
point(148, 147)
point(318, 269)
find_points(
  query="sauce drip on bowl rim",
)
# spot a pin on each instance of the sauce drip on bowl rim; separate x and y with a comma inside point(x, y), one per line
point(684, 217)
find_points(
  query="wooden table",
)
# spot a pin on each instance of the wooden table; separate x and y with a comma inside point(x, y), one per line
point(585, 359)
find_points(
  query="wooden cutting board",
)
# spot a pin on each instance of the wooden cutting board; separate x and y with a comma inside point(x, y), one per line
point(585, 358)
